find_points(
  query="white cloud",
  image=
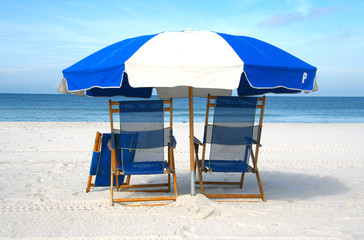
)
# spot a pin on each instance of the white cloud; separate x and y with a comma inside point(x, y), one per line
point(285, 19)
point(15, 70)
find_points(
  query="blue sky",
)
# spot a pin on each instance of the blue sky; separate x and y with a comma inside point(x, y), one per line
point(38, 39)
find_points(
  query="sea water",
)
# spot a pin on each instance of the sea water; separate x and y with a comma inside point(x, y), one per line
point(279, 109)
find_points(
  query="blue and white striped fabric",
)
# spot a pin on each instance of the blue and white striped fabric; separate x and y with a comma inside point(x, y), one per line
point(210, 62)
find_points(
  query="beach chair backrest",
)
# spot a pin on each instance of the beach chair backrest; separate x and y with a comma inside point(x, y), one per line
point(141, 133)
point(233, 131)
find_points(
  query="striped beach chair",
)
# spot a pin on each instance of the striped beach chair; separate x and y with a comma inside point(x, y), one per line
point(231, 140)
point(139, 141)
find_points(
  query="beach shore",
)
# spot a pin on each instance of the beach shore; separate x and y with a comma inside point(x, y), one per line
point(312, 176)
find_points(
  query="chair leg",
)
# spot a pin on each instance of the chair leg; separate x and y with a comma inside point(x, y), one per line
point(117, 182)
point(89, 183)
point(169, 182)
point(200, 177)
point(128, 180)
point(174, 176)
point(175, 184)
point(242, 180)
point(112, 190)
point(260, 186)
point(112, 174)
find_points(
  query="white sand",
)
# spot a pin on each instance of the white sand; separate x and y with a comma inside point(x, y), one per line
point(312, 175)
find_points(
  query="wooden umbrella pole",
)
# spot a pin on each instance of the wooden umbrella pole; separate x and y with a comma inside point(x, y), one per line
point(192, 162)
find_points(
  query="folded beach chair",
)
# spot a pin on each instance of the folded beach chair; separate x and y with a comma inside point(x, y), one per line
point(100, 162)
point(232, 140)
point(139, 142)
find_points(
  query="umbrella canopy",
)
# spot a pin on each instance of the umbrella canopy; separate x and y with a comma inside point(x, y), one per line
point(204, 60)
point(187, 64)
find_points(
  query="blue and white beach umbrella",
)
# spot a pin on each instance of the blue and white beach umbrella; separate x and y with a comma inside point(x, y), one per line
point(187, 64)
point(203, 60)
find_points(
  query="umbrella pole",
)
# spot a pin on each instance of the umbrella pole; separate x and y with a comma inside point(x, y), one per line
point(192, 162)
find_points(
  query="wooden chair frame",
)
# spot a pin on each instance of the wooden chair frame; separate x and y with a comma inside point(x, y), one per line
point(97, 147)
point(211, 103)
point(114, 108)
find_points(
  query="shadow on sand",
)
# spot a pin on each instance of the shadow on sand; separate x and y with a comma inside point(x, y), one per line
point(299, 186)
point(277, 185)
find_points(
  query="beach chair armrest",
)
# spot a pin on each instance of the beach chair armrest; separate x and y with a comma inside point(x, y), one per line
point(196, 141)
point(253, 141)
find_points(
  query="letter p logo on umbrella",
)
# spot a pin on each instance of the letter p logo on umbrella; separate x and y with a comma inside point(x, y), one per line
point(304, 77)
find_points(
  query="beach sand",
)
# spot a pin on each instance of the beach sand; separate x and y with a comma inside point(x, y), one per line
point(312, 175)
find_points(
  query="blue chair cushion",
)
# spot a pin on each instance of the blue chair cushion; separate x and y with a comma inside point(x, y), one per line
point(101, 164)
point(94, 162)
point(144, 168)
point(227, 166)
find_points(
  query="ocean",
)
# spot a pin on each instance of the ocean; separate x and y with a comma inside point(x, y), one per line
point(279, 109)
